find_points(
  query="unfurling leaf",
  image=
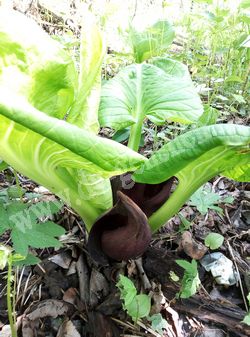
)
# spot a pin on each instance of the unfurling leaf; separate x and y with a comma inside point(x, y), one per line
point(121, 233)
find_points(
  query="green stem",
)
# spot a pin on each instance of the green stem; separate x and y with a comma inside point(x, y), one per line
point(183, 192)
point(136, 129)
point(244, 86)
point(135, 136)
point(9, 304)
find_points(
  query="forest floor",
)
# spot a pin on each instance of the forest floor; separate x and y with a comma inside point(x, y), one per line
point(68, 294)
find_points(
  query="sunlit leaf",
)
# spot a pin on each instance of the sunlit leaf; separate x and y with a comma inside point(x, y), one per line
point(146, 90)
point(152, 41)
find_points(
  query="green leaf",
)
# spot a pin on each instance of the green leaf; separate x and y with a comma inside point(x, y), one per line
point(14, 192)
point(20, 261)
point(185, 224)
point(36, 67)
point(19, 244)
point(246, 319)
point(3, 165)
point(84, 111)
point(45, 208)
point(67, 160)
point(194, 158)
point(190, 281)
point(214, 240)
point(216, 148)
point(26, 230)
point(233, 78)
point(17, 215)
point(37, 235)
point(204, 199)
point(4, 255)
point(145, 90)
point(185, 265)
point(239, 99)
point(4, 219)
point(151, 42)
point(29, 260)
point(245, 4)
point(139, 307)
point(121, 135)
point(209, 116)
point(127, 289)
point(39, 88)
point(239, 172)
point(158, 323)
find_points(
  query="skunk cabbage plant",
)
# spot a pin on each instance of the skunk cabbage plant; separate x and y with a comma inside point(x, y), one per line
point(49, 123)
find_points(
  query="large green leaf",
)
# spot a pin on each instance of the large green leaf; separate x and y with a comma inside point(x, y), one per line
point(35, 65)
point(61, 156)
point(194, 158)
point(146, 90)
point(84, 111)
point(152, 41)
point(39, 86)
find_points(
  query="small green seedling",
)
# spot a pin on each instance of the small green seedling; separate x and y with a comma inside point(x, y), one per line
point(137, 306)
point(190, 281)
point(185, 224)
point(214, 240)
point(158, 323)
point(7, 258)
point(173, 276)
point(204, 199)
point(246, 319)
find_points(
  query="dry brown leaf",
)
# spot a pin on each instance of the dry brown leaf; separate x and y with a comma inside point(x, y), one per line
point(191, 247)
point(67, 329)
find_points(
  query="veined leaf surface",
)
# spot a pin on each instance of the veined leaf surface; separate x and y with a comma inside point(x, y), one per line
point(145, 90)
point(223, 147)
point(84, 112)
point(62, 156)
point(194, 158)
point(38, 86)
point(35, 66)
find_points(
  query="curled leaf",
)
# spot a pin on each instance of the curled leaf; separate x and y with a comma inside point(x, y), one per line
point(121, 233)
point(149, 197)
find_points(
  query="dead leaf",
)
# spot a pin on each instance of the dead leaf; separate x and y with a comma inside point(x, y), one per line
point(62, 259)
point(99, 287)
point(70, 296)
point(67, 329)
point(102, 326)
point(191, 247)
point(49, 308)
point(83, 275)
